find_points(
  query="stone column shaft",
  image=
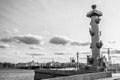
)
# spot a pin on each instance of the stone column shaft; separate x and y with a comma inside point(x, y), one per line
point(96, 44)
point(95, 38)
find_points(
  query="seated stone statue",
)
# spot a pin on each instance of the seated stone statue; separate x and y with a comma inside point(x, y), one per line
point(101, 65)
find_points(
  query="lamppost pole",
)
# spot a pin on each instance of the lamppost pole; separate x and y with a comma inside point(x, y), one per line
point(77, 61)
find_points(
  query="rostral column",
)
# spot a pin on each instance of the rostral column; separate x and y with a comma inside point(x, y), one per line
point(96, 44)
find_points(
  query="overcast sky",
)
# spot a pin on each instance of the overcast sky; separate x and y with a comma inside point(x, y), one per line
point(44, 30)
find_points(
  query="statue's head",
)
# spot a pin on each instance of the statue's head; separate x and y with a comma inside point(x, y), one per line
point(93, 6)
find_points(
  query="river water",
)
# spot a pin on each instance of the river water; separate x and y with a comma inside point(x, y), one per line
point(16, 74)
point(23, 74)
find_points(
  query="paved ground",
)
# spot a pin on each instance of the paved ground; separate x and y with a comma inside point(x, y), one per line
point(116, 74)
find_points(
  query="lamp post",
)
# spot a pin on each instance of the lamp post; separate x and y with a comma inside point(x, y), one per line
point(77, 61)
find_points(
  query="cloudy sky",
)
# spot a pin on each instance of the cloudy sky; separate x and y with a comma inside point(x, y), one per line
point(44, 30)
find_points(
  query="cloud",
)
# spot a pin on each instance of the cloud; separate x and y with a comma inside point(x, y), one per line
point(62, 40)
point(103, 52)
point(83, 58)
point(75, 44)
point(50, 58)
point(80, 44)
point(61, 53)
point(7, 39)
point(85, 44)
point(47, 58)
point(34, 54)
point(112, 42)
point(115, 52)
point(29, 39)
point(111, 52)
point(85, 53)
point(113, 56)
point(16, 30)
point(105, 48)
point(17, 52)
point(35, 47)
point(8, 32)
point(4, 46)
point(59, 40)
point(26, 39)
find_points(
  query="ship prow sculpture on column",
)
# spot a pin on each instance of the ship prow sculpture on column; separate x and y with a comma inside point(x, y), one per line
point(95, 60)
